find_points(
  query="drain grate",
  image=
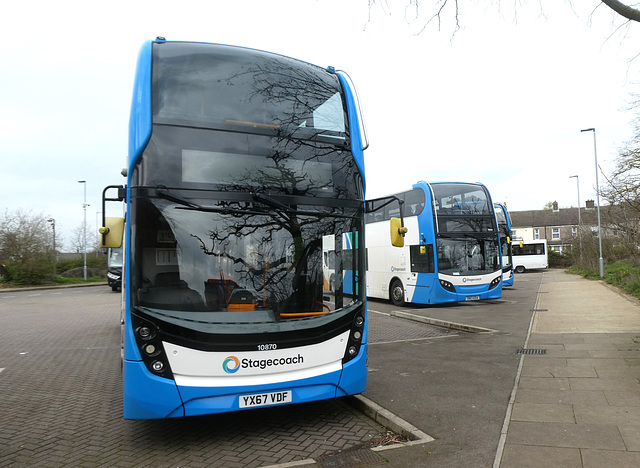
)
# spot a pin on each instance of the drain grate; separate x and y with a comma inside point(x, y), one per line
point(539, 310)
point(531, 351)
point(354, 458)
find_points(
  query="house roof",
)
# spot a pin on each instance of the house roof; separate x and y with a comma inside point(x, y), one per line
point(561, 217)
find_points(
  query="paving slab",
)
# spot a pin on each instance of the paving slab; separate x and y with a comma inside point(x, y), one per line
point(606, 458)
point(601, 383)
point(524, 456)
point(546, 434)
point(542, 412)
point(561, 397)
point(631, 436)
point(613, 415)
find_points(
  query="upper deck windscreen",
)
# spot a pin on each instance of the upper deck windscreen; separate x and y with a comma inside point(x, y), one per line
point(237, 89)
point(461, 199)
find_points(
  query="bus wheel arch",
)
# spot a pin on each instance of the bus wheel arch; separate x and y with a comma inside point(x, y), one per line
point(396, 292)
point(520, 269)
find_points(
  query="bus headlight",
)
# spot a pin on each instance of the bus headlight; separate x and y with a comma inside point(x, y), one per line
point(356, 335)
point(447, 286)
point(495, 282)
point(157, 366)
point(145, 333)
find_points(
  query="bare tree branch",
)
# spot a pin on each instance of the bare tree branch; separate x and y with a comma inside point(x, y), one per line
point(623, 10)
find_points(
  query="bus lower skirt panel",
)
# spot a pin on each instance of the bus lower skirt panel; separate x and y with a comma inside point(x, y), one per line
point(147, 396)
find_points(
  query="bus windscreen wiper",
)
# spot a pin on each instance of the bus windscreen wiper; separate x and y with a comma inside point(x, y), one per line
point(163, 192)
point(281, 209)
point(267, 200)
point(286, 210)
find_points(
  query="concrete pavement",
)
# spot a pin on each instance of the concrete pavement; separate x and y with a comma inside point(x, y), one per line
point(576, 397)
point(578, 404)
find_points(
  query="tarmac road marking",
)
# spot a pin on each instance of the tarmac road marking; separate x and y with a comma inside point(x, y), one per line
point(412, 339)
point(377, 312)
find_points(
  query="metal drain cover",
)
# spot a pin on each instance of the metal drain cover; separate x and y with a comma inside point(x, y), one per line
point(531, 351)
point(354, 458)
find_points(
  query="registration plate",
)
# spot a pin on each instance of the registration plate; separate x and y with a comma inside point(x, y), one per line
point(472, 298)
point(265, 399)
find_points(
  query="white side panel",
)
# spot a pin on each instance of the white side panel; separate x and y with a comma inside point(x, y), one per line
point(385, 261)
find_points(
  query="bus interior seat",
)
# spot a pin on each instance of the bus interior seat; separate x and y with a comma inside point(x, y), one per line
point(169, 291)
point(242, 299)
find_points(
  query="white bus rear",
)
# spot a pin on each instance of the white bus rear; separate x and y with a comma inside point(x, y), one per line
point(530, 255)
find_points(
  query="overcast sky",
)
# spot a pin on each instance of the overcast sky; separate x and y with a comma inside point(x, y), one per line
point(502, 101)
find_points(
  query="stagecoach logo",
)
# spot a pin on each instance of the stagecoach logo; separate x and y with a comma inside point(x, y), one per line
point(465, 280)
point(397, 269)
point(231, 365)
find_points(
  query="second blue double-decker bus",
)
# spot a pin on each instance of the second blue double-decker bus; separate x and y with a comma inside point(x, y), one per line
point(451, 250)
point(506, 243)
point(241, 164)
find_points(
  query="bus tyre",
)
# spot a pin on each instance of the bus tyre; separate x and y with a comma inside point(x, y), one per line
point(520, 269)
point(396, 293)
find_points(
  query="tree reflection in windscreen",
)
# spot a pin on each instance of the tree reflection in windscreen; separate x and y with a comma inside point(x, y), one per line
point(249, 240)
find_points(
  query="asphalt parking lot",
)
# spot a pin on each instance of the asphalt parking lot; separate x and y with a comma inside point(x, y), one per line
point(61, 397)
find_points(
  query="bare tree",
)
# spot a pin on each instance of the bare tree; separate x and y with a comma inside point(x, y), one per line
point(77, 239)
point(26, 246)
point(442, 10)
point(623, 184)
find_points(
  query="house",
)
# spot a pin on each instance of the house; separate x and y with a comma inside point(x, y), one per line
point(559, 226)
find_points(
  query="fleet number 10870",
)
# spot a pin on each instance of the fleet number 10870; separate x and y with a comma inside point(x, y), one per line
point(267, 347)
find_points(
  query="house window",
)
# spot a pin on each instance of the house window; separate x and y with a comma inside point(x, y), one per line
point(574, 231)
point(555, 233)
point(536, 233)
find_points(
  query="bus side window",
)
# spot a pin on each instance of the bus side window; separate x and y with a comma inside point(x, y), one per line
point(422, 258)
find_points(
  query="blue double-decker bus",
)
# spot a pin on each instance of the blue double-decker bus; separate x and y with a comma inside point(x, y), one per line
point(241, 163)
point(506, 243)
point(451, 251)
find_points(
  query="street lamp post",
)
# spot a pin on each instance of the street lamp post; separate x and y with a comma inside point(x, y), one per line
point(579, 220)
point(84, 227)
point(55, 253)
point(601, 263)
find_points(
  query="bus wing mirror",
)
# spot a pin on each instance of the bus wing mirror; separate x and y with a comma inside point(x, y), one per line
point(397, 232)
point(111, 233)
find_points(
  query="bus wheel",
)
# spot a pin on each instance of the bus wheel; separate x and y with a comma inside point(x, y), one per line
point(396, 293)
point(520, 269)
